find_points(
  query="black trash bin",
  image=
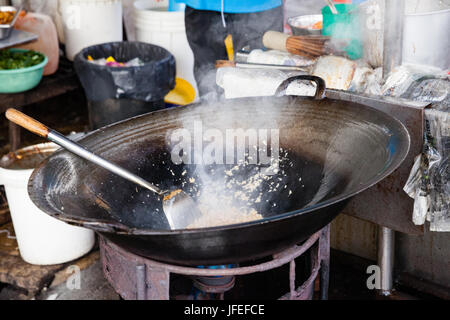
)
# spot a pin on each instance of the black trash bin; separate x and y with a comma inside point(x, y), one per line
point(118, 93)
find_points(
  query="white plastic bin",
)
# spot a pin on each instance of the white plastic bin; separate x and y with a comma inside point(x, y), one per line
point(42, 240)
point(155, 25)
point(90, 22)
point(426, 40)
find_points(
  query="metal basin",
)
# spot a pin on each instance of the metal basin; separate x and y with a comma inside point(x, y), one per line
point(336, 150)
point(302, 25)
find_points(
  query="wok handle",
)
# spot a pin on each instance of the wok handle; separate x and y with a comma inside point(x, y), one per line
point(320, 89)
point(27, 122)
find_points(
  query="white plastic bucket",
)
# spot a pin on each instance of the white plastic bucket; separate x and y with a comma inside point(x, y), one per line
point(42, 240)
point(155, 25)
point(426, 40)
point(90, 22)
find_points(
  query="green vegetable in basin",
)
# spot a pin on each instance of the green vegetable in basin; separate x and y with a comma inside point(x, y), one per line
point(11, 59)
point(20, 70)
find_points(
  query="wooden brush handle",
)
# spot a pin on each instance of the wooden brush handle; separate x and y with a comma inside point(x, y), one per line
point(275, 40)
point(27, 122)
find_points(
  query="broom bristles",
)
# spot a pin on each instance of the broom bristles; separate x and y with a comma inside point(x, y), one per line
point(307, 46)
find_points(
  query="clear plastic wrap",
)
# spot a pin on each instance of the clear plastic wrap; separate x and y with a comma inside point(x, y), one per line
point(278, 57)
point(429, 181)
point(47, 7)
point(240, 83)
point(437, 151)
point(404, 76)
point(366, 79)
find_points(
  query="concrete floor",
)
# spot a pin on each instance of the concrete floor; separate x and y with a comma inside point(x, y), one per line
point(93, 286)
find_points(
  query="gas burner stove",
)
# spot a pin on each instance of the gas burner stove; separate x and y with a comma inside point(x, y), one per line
point(138, 278)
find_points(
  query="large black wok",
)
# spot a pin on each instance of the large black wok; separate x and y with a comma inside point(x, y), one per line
point(337, 149)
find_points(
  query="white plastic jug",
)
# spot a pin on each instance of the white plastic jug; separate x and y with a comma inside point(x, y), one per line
point(425, 37)
point(47, 41)
point(155, 25)
point(90, 22)
point(42, 240)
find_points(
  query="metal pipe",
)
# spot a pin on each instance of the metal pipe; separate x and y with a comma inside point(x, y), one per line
point(292, 274)
point(141, 290)
point(394, 14)
point(386, 239)
point(324, 249)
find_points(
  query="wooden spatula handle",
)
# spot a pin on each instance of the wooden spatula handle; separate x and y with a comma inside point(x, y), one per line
point(275, 40)
point(27, 122)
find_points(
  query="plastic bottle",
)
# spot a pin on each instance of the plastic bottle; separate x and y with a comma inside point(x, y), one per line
point(47, 43)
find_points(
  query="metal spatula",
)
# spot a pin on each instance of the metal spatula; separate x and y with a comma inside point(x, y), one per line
point(179, 208)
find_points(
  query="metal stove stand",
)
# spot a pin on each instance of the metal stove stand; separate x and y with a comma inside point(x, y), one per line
point(138, 278)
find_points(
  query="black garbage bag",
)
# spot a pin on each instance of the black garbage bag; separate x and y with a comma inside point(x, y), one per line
point(150, 82)
point(119, 93)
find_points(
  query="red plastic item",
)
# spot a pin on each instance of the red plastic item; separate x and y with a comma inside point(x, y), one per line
point(47, 43)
